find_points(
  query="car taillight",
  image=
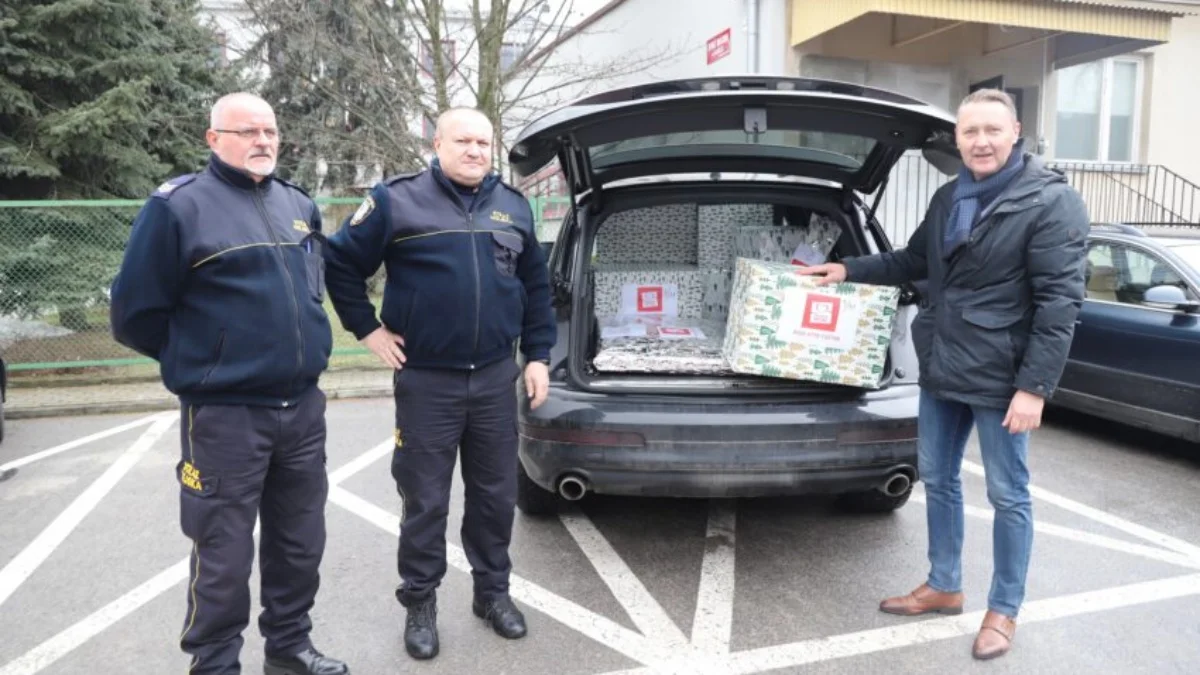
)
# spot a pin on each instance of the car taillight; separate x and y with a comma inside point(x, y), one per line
point(583, 436)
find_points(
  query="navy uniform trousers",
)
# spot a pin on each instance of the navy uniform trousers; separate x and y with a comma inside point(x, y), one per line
point(438, 414)
point(240, 462)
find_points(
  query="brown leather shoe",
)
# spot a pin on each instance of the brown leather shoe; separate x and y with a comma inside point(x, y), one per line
point(995, 636)
point(922, 601)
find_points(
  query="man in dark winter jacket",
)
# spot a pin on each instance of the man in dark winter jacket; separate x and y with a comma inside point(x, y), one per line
point(1002, 248)
point(466, 279)
point(221, 284)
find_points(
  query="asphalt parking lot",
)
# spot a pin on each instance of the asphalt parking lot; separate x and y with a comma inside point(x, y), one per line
point(93, 567)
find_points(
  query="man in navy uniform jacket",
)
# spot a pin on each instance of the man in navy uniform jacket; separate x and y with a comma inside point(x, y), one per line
point(466, 279)
point(222, 285)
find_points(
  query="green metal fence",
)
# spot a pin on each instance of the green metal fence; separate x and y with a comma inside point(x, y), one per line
point(57, 261)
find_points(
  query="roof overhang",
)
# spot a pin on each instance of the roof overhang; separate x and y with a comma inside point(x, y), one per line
point(1146, 21)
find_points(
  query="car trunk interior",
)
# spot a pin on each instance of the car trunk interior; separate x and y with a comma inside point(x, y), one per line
point(658, 278)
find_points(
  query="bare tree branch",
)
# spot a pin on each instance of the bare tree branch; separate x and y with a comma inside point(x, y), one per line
point(348, 77)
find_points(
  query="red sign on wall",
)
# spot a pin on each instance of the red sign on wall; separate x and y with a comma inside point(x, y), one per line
point(719, 46)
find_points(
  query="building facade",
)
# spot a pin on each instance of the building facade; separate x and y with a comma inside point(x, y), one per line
point(1105, 88)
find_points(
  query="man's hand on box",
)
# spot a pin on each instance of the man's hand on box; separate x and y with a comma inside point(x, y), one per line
point(832, 273)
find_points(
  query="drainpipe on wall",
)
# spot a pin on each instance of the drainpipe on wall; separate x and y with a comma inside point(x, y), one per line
point(752, 36)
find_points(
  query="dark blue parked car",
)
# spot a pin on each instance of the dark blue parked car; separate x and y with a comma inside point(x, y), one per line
point(1135, 358)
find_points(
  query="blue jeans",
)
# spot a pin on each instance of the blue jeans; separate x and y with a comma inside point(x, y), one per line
point(943, 428)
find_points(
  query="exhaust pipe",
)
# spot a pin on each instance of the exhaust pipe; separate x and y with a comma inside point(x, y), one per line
point(896, 484)
point(572, 488)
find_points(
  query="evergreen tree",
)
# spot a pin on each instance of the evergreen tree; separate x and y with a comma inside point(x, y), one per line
point(102, 98)
point(98, 99)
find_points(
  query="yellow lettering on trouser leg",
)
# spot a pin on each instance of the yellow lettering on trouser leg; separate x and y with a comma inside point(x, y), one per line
point(189, 475)
point(195, 546)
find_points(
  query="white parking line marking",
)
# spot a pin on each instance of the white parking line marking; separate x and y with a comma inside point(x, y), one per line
point(592, 625)
point(68, 640)
point(712, 627)
point(649, 616)
point(32, 556)
point(651, 650)
point(1104, 518)
point(932, 630)
point(923, 631)
point(71, 445)
point(349, 469)
point(1089, 538)
point(74, 637)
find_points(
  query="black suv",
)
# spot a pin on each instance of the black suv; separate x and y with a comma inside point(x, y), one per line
point(660, 158)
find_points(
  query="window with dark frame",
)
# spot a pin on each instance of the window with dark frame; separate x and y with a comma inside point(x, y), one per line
point(509, 53)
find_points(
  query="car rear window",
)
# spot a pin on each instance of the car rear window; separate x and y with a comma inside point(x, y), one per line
point(843, 150)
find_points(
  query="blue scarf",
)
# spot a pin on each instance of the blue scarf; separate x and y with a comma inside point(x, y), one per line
point(972, 196)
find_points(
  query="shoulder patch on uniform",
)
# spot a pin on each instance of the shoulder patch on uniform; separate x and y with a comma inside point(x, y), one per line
point(364, 210)
point(401, 176)
point(294, 186)
point(168, 188)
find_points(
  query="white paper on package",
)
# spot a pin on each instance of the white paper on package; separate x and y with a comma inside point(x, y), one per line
point(625, 330)
point(611, 280)
point(807, 256)
point(818, 318)
point(680, 333)
point(650, 299)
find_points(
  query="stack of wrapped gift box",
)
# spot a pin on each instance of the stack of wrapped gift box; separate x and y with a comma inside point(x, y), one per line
point(713, 290)
point(648, 290)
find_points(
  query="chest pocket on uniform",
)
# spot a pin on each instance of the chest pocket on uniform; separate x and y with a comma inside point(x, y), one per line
point(507, 247)
point(314, 264)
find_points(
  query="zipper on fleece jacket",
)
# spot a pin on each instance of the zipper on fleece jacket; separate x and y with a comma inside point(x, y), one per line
point(287, 273)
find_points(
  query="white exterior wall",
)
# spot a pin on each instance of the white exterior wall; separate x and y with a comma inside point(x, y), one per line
point(1169, 109)
point(232, 18)
point(636, 29)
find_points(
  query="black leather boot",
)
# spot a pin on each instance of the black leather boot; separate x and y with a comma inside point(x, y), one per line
point(503, 615)
point(420, 630)
point(307, 662)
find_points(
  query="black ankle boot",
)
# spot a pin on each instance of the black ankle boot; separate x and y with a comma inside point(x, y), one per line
point(420, 630)
point(307, 662)
point(503, 615)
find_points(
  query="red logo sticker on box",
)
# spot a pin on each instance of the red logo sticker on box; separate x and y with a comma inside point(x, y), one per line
point(821, 312)
point(650, 299)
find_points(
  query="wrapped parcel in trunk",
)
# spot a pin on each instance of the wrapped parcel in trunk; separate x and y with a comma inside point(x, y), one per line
point(661, 344)
point(782, 324)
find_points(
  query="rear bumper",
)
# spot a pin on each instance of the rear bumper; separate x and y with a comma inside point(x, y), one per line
point(624, 445)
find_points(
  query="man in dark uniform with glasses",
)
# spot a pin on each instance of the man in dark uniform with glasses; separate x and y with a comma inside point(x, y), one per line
point(222, 284)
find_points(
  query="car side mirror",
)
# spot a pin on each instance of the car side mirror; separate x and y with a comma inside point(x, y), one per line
point(547, 246)
point(1169, 297)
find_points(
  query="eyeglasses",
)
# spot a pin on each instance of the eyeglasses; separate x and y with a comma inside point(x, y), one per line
point(250, 134)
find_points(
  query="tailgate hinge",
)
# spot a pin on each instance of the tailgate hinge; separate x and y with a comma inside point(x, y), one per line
point(579, 162)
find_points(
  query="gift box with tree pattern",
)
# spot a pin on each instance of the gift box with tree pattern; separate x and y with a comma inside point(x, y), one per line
point(782, 324)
